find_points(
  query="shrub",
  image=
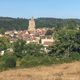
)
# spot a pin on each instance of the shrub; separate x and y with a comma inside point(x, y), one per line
point(75, 56)
point(7, 61)
point(10, 62)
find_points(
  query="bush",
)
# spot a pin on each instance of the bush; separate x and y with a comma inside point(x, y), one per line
point(32, 61)
point(10, 62)
point(75, 56)
point(7, 61)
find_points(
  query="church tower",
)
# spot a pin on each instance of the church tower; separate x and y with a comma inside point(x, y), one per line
point(32, 25)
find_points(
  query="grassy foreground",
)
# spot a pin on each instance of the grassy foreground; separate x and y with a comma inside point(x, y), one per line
point(66, 71)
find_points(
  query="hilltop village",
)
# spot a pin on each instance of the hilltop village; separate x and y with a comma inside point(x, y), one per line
point(39, 46)
point(32, 34)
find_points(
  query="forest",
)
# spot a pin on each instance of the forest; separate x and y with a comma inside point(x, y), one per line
point(7, 23)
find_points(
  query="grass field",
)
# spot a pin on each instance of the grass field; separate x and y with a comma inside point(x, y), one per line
point(66, 71)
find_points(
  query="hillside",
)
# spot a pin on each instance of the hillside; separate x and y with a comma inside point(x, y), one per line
point(13, 23)
point(8, 23)
point(66, 71)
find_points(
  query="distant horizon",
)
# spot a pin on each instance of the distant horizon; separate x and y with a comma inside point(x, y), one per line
point(37, 17)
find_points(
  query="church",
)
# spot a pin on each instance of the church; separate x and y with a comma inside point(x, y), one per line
point(32, 34)
point(32, 25)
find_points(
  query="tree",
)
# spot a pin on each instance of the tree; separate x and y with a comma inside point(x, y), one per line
point(2, 31)
point(4, 43)
point(49, 32)
point(34, 49)
point(71, 24)
point(67, 42)
point(22, 49)
point(19, 48)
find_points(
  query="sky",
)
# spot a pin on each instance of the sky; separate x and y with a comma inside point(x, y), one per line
point(40, 8)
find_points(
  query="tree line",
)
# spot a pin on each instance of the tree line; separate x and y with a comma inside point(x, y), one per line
point(7, 23)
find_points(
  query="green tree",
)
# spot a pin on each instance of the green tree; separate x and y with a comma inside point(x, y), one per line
point(4, 43)
point(2, 31)
point(34, 49)
point(67, 42)
point(71, 24)
point(19, 48)
point(22, 49)
point(49, 32)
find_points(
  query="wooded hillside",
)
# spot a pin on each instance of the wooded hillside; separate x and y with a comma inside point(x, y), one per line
point(8, 23)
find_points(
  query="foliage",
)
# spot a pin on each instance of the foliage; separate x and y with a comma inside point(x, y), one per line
point(2, 30)
point(65, 49)
point(31, 61)
point(4, 43)
point(67, 42)
point(75, 56)
point(7, 61)
point(7, 23)
point(10, 62)
point(49, 32)
point(19, 48)
point(34, 49)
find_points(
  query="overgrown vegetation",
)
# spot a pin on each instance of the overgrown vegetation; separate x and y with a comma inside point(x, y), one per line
point(65, 49)
point(7, 61)
point(7, 23)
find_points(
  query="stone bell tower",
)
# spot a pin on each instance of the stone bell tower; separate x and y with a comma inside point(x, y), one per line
point(32, 25)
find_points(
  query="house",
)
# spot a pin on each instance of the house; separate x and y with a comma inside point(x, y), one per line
point(47, 41)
